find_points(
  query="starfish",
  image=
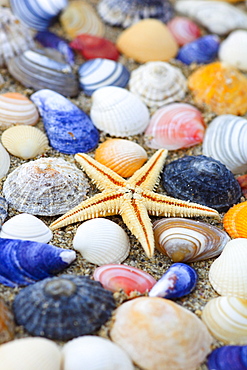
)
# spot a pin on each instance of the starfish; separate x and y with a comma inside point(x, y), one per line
point(131, 198)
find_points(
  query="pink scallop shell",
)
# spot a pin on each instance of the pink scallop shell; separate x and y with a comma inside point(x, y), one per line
point(184, 30)
point(129, 279)
point(175, 126)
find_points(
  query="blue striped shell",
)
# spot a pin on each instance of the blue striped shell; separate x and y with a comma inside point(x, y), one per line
point(228, 358)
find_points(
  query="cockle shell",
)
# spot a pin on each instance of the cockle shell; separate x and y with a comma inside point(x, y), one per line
point(175, 126)
point(47, 186)
point(226, 319)
point(220, 86)
point(108, 111)
point(185, 240)
point(184, 30)
point(233, 49)
point(7, 325)
point(63, 307)
point(235, 221)
point(143, 326)
point(4, 161)
point(158, 83)
point(101, 241)
point(81, 352)
point(228, 357)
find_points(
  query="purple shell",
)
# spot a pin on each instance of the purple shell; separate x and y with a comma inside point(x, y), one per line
point(228, 358)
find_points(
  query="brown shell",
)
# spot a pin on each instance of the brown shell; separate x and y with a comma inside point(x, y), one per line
point(235, 221)
point(7, 326)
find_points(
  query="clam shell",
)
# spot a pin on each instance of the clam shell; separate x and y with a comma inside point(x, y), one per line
point(185, 240)
point(228, 357)
point(63, 307)
point(24, 141)
point(184, 30)
point(4, 161)
point(7, 325)
point(47, 186)
point(235, 221)
point(108, 112)
point(145, 325)
point(233, 50)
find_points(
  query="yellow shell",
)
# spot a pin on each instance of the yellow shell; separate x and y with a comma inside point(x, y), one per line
point(235, 221)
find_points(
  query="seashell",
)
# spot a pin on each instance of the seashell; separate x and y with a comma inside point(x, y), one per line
point(68, 128)
point(228, 273)
point(4, 161)
point(46, 186)
point(146, 41)
point(30, 353)
point(100, 72)
point(175, 126)
point(126, 278)
point(7, 325)
point(82, 350)
point(144, 325)
point(36, 69)
point(221, 87)
point(225, 141)
point(24, 141)
point(158, 83)
point(63, 307)
point(235, 221)
point(184, 30)
point(125, 14)
point(80, 17)
point(110, 244)
point(23, 262)
point(92, 47)
point(233, 49)
point(3, 210)
point(1, 81)
point(26, 227)
point(228, 357)
point(226, 319)
point(202, 180)
point(179, 280)
point(185, 240)
point(122, 156)
point(108, 112)
point(217, 16)
point(242, 180)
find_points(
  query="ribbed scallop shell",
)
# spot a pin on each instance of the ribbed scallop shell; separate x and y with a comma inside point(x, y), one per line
point(122, 156)
point(228, 273)
point(185, 240)
point(118, 112)
point(7, 325)
point(158, 83)
point(175, 126)
point(226, 319)
point(25, 141)
point(233, 50)
point(4, 161)
point(235, 221)
point(184, 30)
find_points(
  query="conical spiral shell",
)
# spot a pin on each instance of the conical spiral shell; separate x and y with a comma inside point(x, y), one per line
point(235, 221)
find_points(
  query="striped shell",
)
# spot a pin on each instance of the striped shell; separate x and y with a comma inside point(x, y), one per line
point(4, 161)
point(184, 30)
point(235, 221)
point(7, 325)
point(233, 50)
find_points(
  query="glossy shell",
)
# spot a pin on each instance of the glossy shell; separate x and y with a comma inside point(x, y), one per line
point(63, 307)
point(47, 186)
point(7, 325)
point(235, 221)
point(4, 161)
point(233, 49)
point(184, 30)
point(228, 357)
point(185, 240)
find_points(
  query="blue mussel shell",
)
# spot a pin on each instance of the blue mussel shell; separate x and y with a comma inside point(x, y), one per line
point(228, 358)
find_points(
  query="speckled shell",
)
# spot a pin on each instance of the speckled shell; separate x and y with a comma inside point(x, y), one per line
point(122, 156)
point(63, 307)
point(233, 50)
point(108, 112)
point(185, 240)
point(226, 319)
point(7, 325)
point(82, 350)
point(4, 161)
point(145, 325)
point(235, 221)
point(221, 87)
point(228, 357)
point(184, 30)
point(175, 126)
point(3, 210)
point(47, 186)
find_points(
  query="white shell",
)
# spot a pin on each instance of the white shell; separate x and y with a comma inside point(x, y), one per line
point(26, 227)
point(102, 241)
point(94, 353)
point(226, 319)
point(233, 50)
point(118, 112)
point(4, 161)
point(158, 83)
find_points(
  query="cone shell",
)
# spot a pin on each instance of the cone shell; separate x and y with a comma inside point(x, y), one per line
point(184, 30)
point(233, 50)
point(7, 326)
point(235, 221)
point(4, 161)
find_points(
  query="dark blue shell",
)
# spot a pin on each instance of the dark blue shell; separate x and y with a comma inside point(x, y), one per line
point(202, 180)
point(228, 358)
point(69, 129)
point(63, 307)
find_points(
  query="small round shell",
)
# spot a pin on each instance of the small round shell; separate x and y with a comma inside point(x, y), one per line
point(184, 30)
point(7, 325)
point(235, 221)
point(233, 50)
point(4, 161)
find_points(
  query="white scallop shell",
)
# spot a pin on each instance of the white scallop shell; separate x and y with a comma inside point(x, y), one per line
point(118, 112)
point(233, 50)
point(94, 353)
point(26, 227)
point(158, 83)
point(102, 241)
point(226, 319)
point(4, 161)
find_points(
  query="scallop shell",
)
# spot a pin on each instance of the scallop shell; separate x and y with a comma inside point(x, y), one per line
point(158, 83)
point(7, 325)
point(26, 227)
point(82, 350)
point(122, 156)
point(235, 221)
point(226, 319)
point(184, 30)
point(175, 126)
point(185, 240)
point(47, 186)
point(63, 307)
point(220, 86)
point(4, 161)
point(108, 112)
point(233, 50)
point(25, 141)
point(110, 244)
point(228, 357)
point(145, 325)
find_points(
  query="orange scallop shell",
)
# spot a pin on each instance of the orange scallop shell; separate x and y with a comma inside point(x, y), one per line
point(7, 327)
point(235, 221)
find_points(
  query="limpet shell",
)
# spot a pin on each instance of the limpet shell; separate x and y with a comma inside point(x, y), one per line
point(228, 357)
point(235, 221)
point(7, 325)
point(184, 30)
point(233, 49)
point(4, 161)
